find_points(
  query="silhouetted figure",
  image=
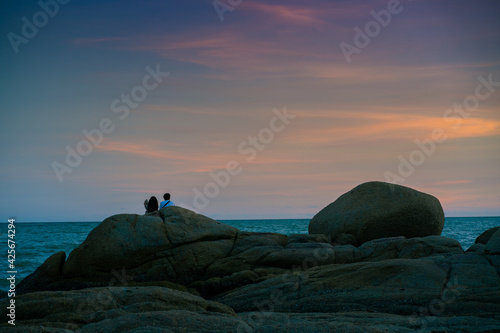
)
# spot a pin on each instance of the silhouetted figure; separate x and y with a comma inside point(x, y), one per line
point(166, 202)
point(151, 205)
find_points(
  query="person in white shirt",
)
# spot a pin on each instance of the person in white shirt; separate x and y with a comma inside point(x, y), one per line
point(166, 202)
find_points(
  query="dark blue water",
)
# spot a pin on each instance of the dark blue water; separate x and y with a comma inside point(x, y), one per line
point(35, 242)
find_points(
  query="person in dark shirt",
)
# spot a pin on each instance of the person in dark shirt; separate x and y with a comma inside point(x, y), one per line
point(151, 205)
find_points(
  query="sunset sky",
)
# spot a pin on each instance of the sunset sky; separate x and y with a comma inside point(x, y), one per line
point(301, 100)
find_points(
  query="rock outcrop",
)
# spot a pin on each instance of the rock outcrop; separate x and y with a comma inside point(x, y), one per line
point(375, 210)
point(173, 244)
point(155, 309)
point(189, 249)
point(118, 309)
point(146, 273)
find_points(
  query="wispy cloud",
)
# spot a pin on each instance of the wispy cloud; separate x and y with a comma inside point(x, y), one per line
point(360, 126)
point(453, 182)
point(97, 40)
point(289, 13)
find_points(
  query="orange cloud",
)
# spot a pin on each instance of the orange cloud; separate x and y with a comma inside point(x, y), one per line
point(379, 126)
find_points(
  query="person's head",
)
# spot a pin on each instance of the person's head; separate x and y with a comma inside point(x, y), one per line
point(152, 204)
point(166, 196)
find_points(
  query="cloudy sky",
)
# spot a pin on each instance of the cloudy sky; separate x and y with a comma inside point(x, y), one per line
point(246, 109)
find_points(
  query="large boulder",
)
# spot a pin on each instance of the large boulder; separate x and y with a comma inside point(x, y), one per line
point(174, 244)
point(376, 210)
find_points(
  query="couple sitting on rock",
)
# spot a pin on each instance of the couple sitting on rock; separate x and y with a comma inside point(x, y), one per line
point(151, 205)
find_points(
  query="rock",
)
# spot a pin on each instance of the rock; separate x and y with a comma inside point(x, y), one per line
point(413, 248)
point(493, 244)
point(381, 249)
point(248, 250)
point(249, 240)
point(346, 254)
point(155, 309)
point(293, 283)
point(165, 322)
point(111, 308)
point(49, 272)
point(212, 258)
point(149, 247)
point(485, 236)
point(390, 286)
point(471, 271)
point(303, 256)
point(477, 248)
point(362, 322)
point(346, 239)
point(217, 285)
point(429, 246)
point(307, 238)
point(376, 210)
point(172, 244)
point(457, 285)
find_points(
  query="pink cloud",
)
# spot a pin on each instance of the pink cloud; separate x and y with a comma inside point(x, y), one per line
point(453, 182)
point(293, 14)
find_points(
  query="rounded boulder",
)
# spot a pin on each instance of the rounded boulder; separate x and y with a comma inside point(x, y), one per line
point(375, 210)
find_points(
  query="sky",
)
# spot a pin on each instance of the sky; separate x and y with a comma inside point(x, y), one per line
point(245, 109)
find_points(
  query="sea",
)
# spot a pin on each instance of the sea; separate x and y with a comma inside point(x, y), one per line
point(36, 241)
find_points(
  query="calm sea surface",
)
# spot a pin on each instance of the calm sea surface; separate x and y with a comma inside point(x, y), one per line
point(35, 242)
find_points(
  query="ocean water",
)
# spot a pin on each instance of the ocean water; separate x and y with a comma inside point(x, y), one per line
point(35, 242)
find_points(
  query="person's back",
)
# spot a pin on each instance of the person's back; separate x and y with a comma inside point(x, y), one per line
point(152, 205)
point(166, 202)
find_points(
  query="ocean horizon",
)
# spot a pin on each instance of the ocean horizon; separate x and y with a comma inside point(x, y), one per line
point(36, 241)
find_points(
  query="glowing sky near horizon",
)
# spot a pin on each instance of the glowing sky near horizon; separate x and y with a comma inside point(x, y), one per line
point(353, 120)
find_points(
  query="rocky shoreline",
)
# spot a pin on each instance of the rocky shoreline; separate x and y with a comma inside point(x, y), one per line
point(374, 261)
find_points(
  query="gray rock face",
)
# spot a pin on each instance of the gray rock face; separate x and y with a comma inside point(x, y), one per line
point(377, 210)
